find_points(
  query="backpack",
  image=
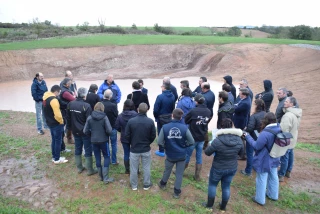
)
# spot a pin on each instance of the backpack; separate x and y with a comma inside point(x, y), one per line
point(281, 143)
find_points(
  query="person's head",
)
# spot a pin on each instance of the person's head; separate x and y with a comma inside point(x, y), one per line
point(177, 114)
point(290, 102)
point(128, 105)
point(66, 82)
point(202, 80)
point(140, 81)
point(107, 94)
point(82, 93)
point(166, 80)
point(186, 92)
point(199, 98)
point(69, 75)
point(165, 86)
point(269, 118)
point(223, 97)
point(99, 107)
point(281, 93)
point(39, 76)
point(205, 87)
point(136, 85)
point(260, 106)
point(143, 108)
point(243, 93)
point(226, 123)
point(110, 78)
point(226, 87)
point(289, 94)
point(243, 83)
point(55, 90)
point(184, 84)
point(93, 88)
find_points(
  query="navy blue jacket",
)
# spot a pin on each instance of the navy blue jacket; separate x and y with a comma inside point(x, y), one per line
point(122, 121)
point(175, 137)
point(144, 90)
point(174, 92)
point(164, 104)
point(209, 100)
point(38, 89)
point(197, 90)
point(241, 113)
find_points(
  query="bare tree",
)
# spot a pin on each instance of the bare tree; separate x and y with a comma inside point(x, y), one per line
point(102, 24)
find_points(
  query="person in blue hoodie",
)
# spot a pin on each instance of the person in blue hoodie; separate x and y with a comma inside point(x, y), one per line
point(110, 84)
point(162, 111)
point(120, 125)
point(38, 88)
point(267, 94)
point(267, 182)
point(175, 137)
point(186, 103)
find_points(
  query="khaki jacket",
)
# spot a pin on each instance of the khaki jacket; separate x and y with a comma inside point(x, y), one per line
point(290, 123)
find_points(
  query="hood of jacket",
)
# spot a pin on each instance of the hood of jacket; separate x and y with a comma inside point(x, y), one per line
point(229, 137)
point(228, 79)
point(267, 85)
point(106, 82)
point(127, 115)
point(188, 102)
point(98, 115)
point(167, 93)
point(296, 111)
point(48, 94)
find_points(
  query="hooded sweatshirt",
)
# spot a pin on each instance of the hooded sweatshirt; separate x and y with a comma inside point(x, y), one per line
point(164, 104)
point(122, 121)
point(267, 95)
point(228, 79)
point(185, 104)
point(38, 89)
point(290, 123)
point(51, 109)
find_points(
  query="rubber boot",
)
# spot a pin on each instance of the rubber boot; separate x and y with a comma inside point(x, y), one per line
point(78, 161)
point(197, 172)
point(223, 205)
point(105, 174)
point(69, 137)
point(127, 166)
point(100, 173)
point(209, 203)
point(89, 166)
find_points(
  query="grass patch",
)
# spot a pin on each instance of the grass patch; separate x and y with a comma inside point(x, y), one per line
point(102, 40)
point(308, 147)
point(12, 205)
point(316, 161)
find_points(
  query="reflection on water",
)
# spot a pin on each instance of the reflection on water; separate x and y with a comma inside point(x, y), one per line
point(16, 95)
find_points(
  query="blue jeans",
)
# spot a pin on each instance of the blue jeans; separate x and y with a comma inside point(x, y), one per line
point(82, 142)
point(159, 127)
point(198, 146)
point(225, 176)
point(39, 115)
point(269, 181)
point(99, 148)
point(286, 162)
point(249, 151)
point(56, 140)
point(126, 151)
point(113, 139)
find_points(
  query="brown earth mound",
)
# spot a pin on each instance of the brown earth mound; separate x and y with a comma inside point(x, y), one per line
point(291, 67)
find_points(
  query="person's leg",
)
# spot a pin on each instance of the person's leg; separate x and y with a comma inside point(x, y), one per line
point(38, 106)
point(52, 143)
point(105, 169)
point(43, 118)
point(249, 150)
point(189, 153)
point(273, 184)
point(214, 178)
point(261, 185)
point(97, 154)
point(291, 160)
point(78, 145)
point(283, 165)
point(57, 138)
point(179, 174)
point(134, 166)
point(167, 171)
point(199, 148)
point(113, 138)
point(146, 167)
point(159, 127)
point(126, 156)
point(88, 155)
point(63, 145)
point(225, 186)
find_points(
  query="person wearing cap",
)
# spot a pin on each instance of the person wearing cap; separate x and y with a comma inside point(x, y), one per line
point(198, 119)
point(110, 84)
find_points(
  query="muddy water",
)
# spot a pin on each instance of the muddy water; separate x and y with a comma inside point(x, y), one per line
point(16, 95)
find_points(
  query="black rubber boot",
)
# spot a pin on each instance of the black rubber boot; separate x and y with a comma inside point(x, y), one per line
point(209, 203)
point(223, 205)
point(127, 166)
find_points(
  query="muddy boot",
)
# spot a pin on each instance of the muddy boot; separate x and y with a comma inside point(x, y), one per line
point(100, 173)
point(78, 161)
point(209, 203)
point(69, 137)
point(89, 166)
point(127, 166)
point(105, 174)
point(223, 205)
point(197, 172)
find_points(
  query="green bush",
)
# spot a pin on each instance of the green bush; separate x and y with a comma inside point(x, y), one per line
point(300, 32)
point(164, 30)
point(234, 31)
point(118, 30)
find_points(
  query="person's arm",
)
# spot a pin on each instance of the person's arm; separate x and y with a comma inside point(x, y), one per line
point(267, 97)
point(160, 140)
point(147, 100)
point(259, 144)
point(156, 108)
point(88, 111)
point(34, 92)
point(56, 110)
point(107, 125)
point(174, 91)
point(251, 125)
point(119, 95)
point(212, 148)
point(188, 118)
point(100, 90)
point(117, 124)
point(87, 128)
point(128, 132)
point(190, 140)
point(67, 96)
point(240, 107)
point(68, 126)
point(153, 133)
point(285, 124)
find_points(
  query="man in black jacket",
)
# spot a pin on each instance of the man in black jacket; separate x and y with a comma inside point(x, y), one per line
point(226, 110)
point(198, 119)
point(111, 111)
point(140, 133)
point(267, 94)
point(282, 96)
point(92, 96)
point(228, 79)
point(137, 96)
point(77, 113)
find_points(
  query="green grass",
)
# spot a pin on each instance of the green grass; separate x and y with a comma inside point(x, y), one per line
point(308, 147)
point(102, 40)
point(13, 206)
point(316, 161)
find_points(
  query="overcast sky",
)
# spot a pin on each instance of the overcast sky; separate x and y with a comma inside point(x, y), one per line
point(164, 12)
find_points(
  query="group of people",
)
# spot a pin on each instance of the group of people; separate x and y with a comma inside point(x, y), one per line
point(92, 117)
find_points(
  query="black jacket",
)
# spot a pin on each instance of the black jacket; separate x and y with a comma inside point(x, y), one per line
point(98, 127)
point(209, 100)
point(77, 113)
point(92, 98)
point(198, 119)
point(226, 110)
point(241, 113)
point(255, 123)
point(138, 97)
point(228, 79)
point(121, 123)
point(227, 146)
point(174, 92)
point(140, 133)
point(279, 111)
point(111, 111)
point(267, 95)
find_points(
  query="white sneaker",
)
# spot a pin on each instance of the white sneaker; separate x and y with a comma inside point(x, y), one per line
point(66, 151)
point(134, 188)
point(61, 158)
point(60, 161)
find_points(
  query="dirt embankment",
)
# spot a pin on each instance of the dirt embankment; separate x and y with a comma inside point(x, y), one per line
point(298, 69)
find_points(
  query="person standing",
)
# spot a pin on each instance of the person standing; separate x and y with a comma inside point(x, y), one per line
point(267, 94)
point(137, 96)
point(227, 88)
point(143, 89)
point(73, 86)
point(242, 109)
point(172, 88)
point(77, 113)
point(226, 109)
point(228, 79)
point(52, 113)
point(38, 88)
point(282, 96)
point(175, 137)
point(290, 122)
point(92, 96)
point(140, 133)
point(185, 102)
point(198, 89)
point(244, 84)
point(111, 111)
point(111, 85)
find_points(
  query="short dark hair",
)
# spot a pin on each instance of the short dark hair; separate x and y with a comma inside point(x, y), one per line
point(143, 108)
point(224, 95)
point(140, 81)
point(260, 105)
point(186, 92)
point(199, 98)
point(244, 91)
point(226, 87)
point(204, 79)
point(55, 88)
point(226, 123)
point(289, 93)
point(93, 87)
point(177, 113)
point(206, 85)
point(128, 105)
point(166, 86)
point(185, 83)
point(292, 100)
point(136, 85)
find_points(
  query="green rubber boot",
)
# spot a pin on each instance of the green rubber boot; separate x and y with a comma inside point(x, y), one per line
point(79, 165)
point(89, 166)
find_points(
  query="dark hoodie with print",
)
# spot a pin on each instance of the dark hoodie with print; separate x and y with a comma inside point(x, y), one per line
point(98, 127)
point(267, 95)
point(228, 79)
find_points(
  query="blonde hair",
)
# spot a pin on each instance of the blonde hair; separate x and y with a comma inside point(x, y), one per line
point(99, 107)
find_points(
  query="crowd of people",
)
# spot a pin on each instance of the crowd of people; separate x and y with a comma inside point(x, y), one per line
point(90, 120)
